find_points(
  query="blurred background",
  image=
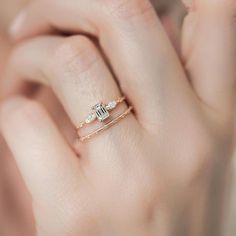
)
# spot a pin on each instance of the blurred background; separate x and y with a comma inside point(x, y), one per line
point(16, 218)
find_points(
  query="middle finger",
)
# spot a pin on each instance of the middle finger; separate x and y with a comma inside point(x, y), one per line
point(80, 78)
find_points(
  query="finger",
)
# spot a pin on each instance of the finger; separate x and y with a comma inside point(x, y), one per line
point(134, 41)
point(18, 203)
point(209, 51)
point(80, 78)
point(57, 112)
point(50, 169)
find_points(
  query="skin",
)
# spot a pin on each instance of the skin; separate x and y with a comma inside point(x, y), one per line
point(16, 215)
point(157, 169)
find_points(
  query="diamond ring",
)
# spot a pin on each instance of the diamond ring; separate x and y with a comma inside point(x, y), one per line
point(101, 113)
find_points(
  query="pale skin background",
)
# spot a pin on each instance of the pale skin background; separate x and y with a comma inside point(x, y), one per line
point(5, 20)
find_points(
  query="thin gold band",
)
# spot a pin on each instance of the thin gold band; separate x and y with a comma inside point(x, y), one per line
point(107, 126)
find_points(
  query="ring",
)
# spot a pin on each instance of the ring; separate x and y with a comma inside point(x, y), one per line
point(101, 111)
point(106, 126)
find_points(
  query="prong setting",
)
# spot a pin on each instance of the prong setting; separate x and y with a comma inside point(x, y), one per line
point(101, 111)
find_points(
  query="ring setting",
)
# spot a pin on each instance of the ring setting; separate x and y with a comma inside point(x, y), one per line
point(101, 111)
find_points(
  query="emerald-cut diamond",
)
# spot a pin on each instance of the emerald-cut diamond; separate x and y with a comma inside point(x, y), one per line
point(101, 112)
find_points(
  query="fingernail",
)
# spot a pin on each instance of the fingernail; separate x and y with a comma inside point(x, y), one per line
point(17, 24)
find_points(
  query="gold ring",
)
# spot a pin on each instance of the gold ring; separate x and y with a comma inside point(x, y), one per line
point(101, 113)
point(106, 126)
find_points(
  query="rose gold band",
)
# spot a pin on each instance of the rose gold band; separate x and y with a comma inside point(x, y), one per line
point(107, 125)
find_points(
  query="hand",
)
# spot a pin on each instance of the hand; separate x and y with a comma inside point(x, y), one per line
point(16, 218)
point(156, 162)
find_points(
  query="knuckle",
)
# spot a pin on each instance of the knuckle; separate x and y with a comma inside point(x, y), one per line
point(74, 55)
point(128, 9)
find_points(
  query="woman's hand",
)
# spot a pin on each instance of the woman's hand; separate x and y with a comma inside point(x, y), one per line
point(150, 172)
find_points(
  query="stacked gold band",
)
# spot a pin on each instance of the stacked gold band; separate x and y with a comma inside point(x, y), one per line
point(101, 112)
point(106, 126)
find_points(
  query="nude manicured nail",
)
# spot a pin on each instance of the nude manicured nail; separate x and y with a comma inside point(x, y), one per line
point(17, 24)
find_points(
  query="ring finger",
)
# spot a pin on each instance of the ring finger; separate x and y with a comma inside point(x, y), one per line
point(80, 78)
